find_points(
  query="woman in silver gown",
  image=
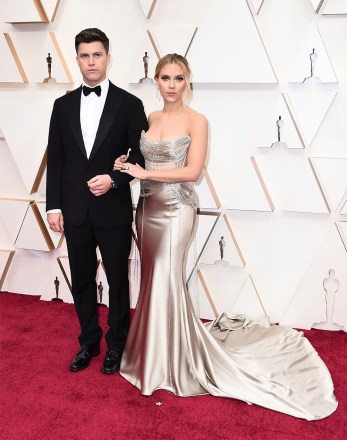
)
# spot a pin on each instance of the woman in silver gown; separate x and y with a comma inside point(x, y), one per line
point(168, 347)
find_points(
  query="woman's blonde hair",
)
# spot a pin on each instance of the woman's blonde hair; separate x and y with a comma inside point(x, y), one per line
point(172, 58)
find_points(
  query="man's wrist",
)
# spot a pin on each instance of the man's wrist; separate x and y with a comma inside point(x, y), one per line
point(112, 183)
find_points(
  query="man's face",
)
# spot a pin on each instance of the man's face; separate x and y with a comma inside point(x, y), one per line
point(92, 61)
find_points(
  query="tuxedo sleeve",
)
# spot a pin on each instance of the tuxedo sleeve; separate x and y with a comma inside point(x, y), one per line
point(55, 159)
point(136, 124)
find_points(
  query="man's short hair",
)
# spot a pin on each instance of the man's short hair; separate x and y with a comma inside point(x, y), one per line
point(89, 36)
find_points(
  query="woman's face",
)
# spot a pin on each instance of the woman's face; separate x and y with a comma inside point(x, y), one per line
point(171, 82)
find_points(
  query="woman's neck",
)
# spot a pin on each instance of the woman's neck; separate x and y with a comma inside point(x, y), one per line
point(173, 107)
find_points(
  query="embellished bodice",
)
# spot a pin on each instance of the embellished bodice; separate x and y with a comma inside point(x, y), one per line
point(167, 154)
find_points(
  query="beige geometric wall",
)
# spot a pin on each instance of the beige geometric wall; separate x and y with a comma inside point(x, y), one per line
point(281, 208)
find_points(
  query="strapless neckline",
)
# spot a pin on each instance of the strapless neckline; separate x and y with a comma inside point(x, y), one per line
point(165, 140)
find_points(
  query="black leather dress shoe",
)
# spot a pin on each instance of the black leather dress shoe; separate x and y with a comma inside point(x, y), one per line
point(82, 358)
point(112, 361)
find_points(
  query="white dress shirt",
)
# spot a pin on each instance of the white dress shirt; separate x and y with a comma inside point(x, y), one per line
point(90, 114)
point(91, 109)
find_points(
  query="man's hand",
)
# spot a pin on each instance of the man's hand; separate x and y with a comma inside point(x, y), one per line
point(56, 221)
point(99, 185)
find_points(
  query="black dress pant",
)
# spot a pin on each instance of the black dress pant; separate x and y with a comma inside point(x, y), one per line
point(114, 245)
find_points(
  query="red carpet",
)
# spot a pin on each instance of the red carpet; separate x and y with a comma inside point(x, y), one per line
point(41, 399)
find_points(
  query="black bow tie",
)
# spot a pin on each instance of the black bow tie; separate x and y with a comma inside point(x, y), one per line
point(88, 90)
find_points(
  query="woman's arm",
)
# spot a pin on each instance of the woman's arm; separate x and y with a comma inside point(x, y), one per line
point(198, 132)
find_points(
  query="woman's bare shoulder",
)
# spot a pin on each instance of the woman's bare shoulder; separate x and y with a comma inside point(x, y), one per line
point(154, 115)
point(196, 118)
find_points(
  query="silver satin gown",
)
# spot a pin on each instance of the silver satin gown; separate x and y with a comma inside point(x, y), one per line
point(168, 347)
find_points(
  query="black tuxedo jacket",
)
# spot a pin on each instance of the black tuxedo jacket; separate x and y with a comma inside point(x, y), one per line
point(69, 169)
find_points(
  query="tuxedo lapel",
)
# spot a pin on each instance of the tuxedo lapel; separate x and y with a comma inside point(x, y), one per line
point(74, 111)
point(109, 113)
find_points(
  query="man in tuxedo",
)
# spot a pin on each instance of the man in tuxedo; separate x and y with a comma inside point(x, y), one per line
point(90, 127)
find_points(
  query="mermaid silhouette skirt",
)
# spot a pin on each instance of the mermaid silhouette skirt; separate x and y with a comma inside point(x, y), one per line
point(168, 347)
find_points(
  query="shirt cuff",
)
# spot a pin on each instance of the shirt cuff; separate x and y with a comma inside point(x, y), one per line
point(53, 211)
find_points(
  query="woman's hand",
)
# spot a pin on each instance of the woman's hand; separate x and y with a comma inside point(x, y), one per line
point(118, 163)
point(133, 170)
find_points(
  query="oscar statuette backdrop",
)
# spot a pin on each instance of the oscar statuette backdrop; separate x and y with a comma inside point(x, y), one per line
point(271, 78)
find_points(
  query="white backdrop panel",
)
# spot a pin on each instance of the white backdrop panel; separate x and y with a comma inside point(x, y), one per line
point(32, 49)
point(13, 213)
point(322, 67)
point(27, 144)
point(283, 24)
point(227, 47)
point(334, 7)
point(308, 303)
point(333, 176)
point(20, 11)
point(309, 108)
point(32, 272)
point(331, 138)
point(11, 182)
point(278, 248)
point(9, 71)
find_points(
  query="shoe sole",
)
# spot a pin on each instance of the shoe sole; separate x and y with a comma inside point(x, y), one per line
point(110, 371)
point(78, 369)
